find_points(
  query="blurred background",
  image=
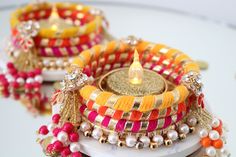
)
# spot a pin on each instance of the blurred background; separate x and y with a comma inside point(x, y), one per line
point(204, 29)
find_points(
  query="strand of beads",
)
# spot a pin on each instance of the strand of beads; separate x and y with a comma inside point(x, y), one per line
point(23, 85)
point(64, 139)
point(212, 140)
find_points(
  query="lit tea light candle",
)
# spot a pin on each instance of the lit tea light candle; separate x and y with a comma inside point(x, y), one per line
point(136, 70)
point(54, 22)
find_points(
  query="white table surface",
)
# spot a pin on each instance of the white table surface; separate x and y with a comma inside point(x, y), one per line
point(200, 39)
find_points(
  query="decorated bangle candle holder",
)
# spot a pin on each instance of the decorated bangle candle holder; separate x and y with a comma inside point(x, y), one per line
point(45, 37)
point(131, 93)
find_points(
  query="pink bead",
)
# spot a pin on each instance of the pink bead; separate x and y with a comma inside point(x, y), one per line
point(57, 146)
point(16, 96)
point(68, 127)
point(36, 85)
point(15, 85)
point(12, 71)
point(5, 93)
point(30, 74)
point(50, 148)
point(29, 86)
point(65, 152)
point(43, 130)
point(76, 154)
point(10, 65)
point(29, 95)
point(56, 131)
point(22, 74)
point(56, 118)
point(37, 71)
point(74, 137)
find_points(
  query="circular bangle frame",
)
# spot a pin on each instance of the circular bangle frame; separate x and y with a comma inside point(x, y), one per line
point(135, 103)
point(73, 31)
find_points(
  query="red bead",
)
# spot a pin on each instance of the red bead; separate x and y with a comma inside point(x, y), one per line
point(16, 96)
point(43, 130)
point(68, 127)
point(56, 118)
point(56, 131)
point(29, 95)
point(10, 65)
point(37, 85)
point(30, 74)
point(12, 71)
point(76, 154)
point(4, 83)
point(57, 146)
point(16, 76)
point(37, 71)
point(74, 137)
point(29, 86)
point(65, 152)
point(22, 74)
point(15, 85)
point(50, 148)
point(5, 93)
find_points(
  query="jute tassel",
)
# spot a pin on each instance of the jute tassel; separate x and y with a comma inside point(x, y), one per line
point(69, 96)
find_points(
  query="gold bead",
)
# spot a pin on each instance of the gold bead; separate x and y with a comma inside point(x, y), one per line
point(121, 143)
point(191, 129)
point(182, 136)
point(168, 142)
point(103, 139)
point(153, 145)
point(87, 133)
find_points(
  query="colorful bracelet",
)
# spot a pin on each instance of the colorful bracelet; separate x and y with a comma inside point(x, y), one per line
point(123, 125)
point(73, 31)
point(68, 51)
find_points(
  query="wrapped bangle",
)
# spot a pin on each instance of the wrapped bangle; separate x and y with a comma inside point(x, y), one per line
point(73, 31)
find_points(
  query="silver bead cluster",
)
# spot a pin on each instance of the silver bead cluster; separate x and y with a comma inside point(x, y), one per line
point(131, 40)
point(75, 79)
point(192, 81)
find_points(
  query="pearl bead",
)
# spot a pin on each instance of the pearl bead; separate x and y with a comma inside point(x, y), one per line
point(38, 78)
point(62, 136)
point(29, 80)
point(59, 63)
point(215, 123)
point(192, 121)
point(20, 80)
point(46, 62)
point(9, 78)
point(145, 140)
point(211, 151)
point(214, 135)
point(51, 126)
point(224, 152)
point(97, 133)
point(74, 147)
point(85, 126)
point(183, 128)
point(113, 138)
point(130, 140)
point(172, 135)
point(203, 133)
point(158, 139)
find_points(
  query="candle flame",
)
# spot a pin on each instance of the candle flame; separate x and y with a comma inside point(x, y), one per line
point(136, 70)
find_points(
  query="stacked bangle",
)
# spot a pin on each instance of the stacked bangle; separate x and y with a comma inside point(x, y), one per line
point(134, 115)
point(87, 28)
